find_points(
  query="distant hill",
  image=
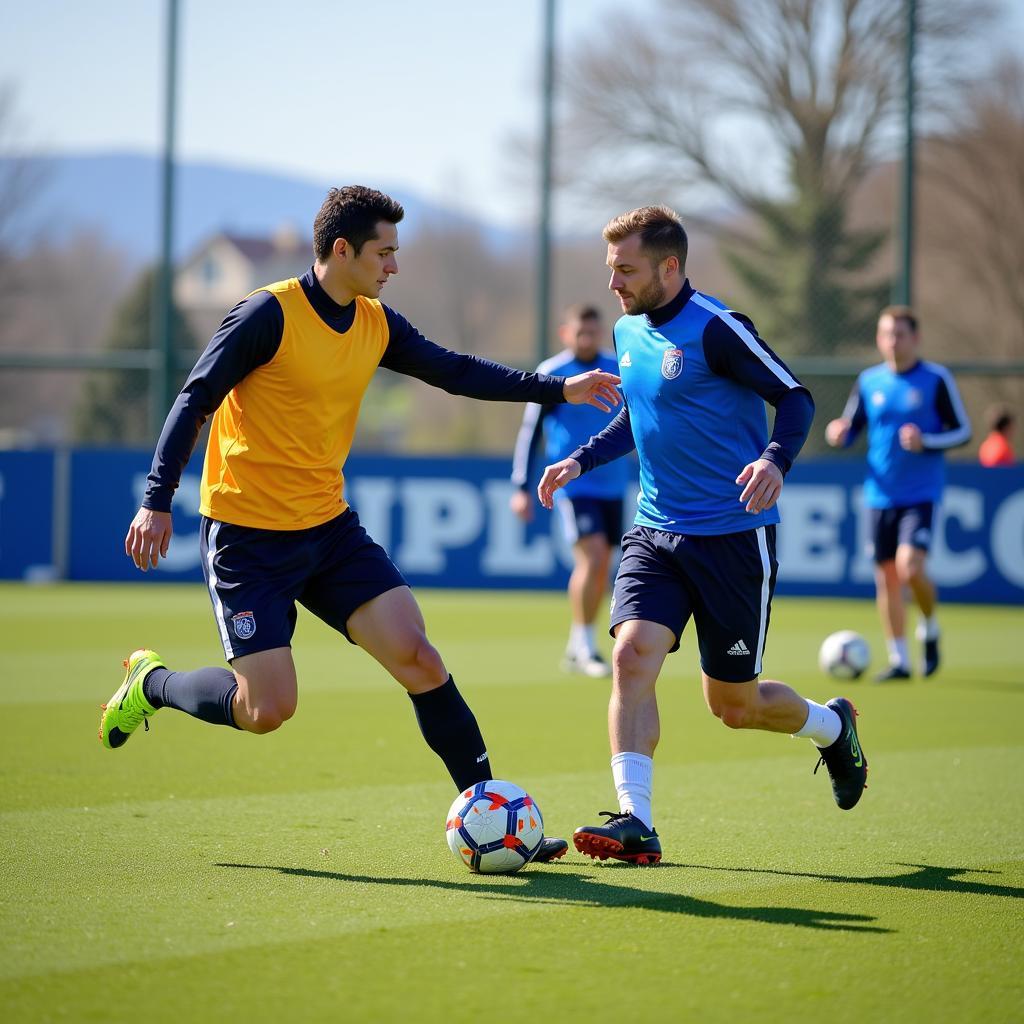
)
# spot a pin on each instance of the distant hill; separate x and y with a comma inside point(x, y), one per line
point(119, 194)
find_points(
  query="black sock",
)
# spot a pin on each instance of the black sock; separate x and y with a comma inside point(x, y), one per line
point(451, 732)
point(206, 693)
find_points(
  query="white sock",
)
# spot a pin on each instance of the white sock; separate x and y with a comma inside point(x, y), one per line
point(898, 651)
point(822, 727)
point(633, 777)
point(581, 639)
point(928, 628)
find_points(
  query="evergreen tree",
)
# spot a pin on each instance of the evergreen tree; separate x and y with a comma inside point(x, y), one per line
point(115, 404)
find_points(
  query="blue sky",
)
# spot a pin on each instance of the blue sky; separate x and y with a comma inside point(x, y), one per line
point(421, 93)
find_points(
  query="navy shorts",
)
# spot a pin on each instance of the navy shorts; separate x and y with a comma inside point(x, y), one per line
point(891, 527)
point(725, 582)
point(583, 516)
point(255, 577)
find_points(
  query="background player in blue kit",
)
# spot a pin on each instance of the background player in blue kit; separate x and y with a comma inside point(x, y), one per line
point(913, 413)
point(695, 377)
point(284, 377)
point(590, 509)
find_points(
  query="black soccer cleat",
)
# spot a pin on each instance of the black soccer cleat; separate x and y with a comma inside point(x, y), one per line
point(621, 837)
point(550, 849)
point(893, 674)
point(847, 766)
point(931, 657)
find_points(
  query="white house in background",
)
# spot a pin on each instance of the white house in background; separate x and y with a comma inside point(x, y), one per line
point(227, 267)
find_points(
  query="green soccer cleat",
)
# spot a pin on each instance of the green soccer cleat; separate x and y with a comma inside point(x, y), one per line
point(128, 707)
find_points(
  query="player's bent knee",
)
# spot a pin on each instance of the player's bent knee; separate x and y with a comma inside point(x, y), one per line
point(429, 660)
point(735, 716)
point(626, 659)
point(269, 717)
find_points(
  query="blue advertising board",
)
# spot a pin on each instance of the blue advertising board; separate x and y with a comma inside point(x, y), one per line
point(107, 486)
point(447, 523)
point(26, 514)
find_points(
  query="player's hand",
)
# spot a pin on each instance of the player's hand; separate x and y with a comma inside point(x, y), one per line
point(148, 538)
point(910, 438)
point(763, 481)
point(837, 432)
point(522, 505)
point(557, 476)
point(595, 387)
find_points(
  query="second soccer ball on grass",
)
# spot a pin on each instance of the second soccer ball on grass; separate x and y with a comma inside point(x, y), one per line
point(844, 654)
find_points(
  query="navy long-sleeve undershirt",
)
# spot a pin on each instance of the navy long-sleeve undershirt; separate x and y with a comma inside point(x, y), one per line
point(249, 338)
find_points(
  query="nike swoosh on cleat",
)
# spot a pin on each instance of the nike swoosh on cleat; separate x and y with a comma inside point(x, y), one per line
point(646, 839)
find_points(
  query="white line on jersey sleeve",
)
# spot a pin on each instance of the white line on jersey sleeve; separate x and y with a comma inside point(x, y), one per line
point(958, 435)
point(524, 444)
point(748, 339)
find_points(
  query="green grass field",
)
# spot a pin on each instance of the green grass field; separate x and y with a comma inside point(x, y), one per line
point(203, 875)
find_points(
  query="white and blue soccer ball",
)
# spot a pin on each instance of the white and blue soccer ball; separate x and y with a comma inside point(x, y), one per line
point(494, 827)
point(844, 655)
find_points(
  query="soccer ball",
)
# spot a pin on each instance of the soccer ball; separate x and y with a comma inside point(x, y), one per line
point(844, 655)
point(494, 827)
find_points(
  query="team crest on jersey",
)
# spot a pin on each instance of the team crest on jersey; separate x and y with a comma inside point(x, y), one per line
point(672, 363)
point(245, 625)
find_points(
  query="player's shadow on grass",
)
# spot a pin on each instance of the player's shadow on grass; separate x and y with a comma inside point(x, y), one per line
point(575, 889)
point(927, 878)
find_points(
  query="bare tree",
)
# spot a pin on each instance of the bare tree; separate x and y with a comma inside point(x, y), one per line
point(776, 109)
point(20, 179)
point(974, 179)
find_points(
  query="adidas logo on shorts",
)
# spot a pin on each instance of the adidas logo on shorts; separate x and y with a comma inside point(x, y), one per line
point(738, 648)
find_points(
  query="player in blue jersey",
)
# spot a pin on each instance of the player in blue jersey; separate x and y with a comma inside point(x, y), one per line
point(913, 413)
point(695, 377)
point(590, 509)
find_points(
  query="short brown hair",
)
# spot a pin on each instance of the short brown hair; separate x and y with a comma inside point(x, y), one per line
point(660, 229)
point(901, 313)
point(581, 311)
point(353, 213)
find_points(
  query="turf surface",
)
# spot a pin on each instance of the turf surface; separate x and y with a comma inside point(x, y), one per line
point(199, 874)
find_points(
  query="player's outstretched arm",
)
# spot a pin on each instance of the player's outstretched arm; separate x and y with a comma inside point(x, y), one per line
point(595, 387)
point(554, 477)
point(148, 538)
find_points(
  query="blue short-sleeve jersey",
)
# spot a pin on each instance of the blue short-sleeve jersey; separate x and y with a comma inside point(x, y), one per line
point(695, 377)
point(563, 428)
point(883, 400)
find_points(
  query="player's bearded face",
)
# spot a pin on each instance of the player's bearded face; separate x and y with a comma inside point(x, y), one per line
point(651, 296)
point(636, 278)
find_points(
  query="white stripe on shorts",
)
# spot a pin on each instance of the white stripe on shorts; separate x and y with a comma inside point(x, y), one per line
point(766, 578)
point(218, 608)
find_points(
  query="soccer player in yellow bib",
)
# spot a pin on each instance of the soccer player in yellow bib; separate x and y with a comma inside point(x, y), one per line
point(283, 378)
